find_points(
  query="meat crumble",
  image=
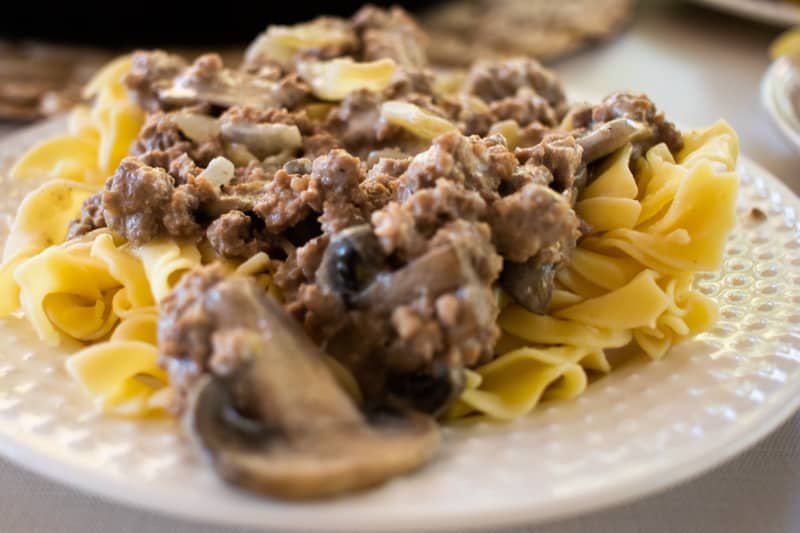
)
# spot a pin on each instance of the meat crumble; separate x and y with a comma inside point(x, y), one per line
point(386, 244)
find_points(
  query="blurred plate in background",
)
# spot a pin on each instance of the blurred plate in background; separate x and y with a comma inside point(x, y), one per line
point(778, 12)
point(780, 94)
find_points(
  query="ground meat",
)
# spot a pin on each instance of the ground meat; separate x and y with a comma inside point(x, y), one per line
point(560, 154)
point(474, 239)
point(525, 108)
point(160, 143)
point(402, 325)
point(234, 235)
point(357, 122)
point(390, 34)
point(397, 232)
point(141, 203)
point(91, 217)
point(339, 175)
point(251, 172)
point(380, 185)
point(161, 81)
point(637, 107)
point(185, 329)
point(183, 168)
point(282, 204)
point(444, 201)
point(160, 139)
point(479, 164)
point(151, 72)
point(493, 81)
point(296, 272)
point(318, 144)
point(531, 219)
point(472, 115)
point(410, 81)
point(290, 92)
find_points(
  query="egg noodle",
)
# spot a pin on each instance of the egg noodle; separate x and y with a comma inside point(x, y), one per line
point(629, 283)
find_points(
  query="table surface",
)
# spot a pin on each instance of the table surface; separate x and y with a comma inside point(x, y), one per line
point(698, 66)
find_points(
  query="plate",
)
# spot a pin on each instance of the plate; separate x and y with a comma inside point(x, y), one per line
point(777, 12)
point(779, 87)
point(643, 428)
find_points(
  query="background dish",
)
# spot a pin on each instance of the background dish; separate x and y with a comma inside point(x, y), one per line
point(779, 12)
point(645, 427)
point(779, 87)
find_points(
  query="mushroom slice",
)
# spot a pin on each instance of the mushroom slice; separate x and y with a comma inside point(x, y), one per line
point(530, 284)
point(272, 416)
point(263, 140)
point(351, 261)
point(442, 269)
point(353, 267)
point(610, 137)
point(231, 89)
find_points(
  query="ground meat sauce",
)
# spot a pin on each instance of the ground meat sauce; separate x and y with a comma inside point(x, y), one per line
point(387, 247)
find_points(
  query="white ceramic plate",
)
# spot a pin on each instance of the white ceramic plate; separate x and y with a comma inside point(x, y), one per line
point(643, 428)
point(779, 86)
point(777, 12)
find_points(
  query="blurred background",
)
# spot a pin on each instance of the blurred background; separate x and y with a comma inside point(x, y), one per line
point(44, 60)
point(699, 60)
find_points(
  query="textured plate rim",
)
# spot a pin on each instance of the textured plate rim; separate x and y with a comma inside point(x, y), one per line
point(654, 476)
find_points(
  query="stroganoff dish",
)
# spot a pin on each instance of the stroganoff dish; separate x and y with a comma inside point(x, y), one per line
point(314, 256)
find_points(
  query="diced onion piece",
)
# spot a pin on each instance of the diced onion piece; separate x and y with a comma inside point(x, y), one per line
point(219, 171)
point(335, 79)
point(421, 123)
point(198, 128)
point(263, 140)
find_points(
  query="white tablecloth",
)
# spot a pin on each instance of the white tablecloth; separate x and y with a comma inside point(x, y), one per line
point(699, 67)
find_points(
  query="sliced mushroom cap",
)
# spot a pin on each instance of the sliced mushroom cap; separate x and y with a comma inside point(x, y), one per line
point(273, 418)
point(351, 261)
point(611, 136)
point(354, 266)
point(443, 269)
point(344, 458)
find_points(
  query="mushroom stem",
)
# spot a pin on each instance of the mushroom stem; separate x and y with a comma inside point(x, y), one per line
point(610, 137)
